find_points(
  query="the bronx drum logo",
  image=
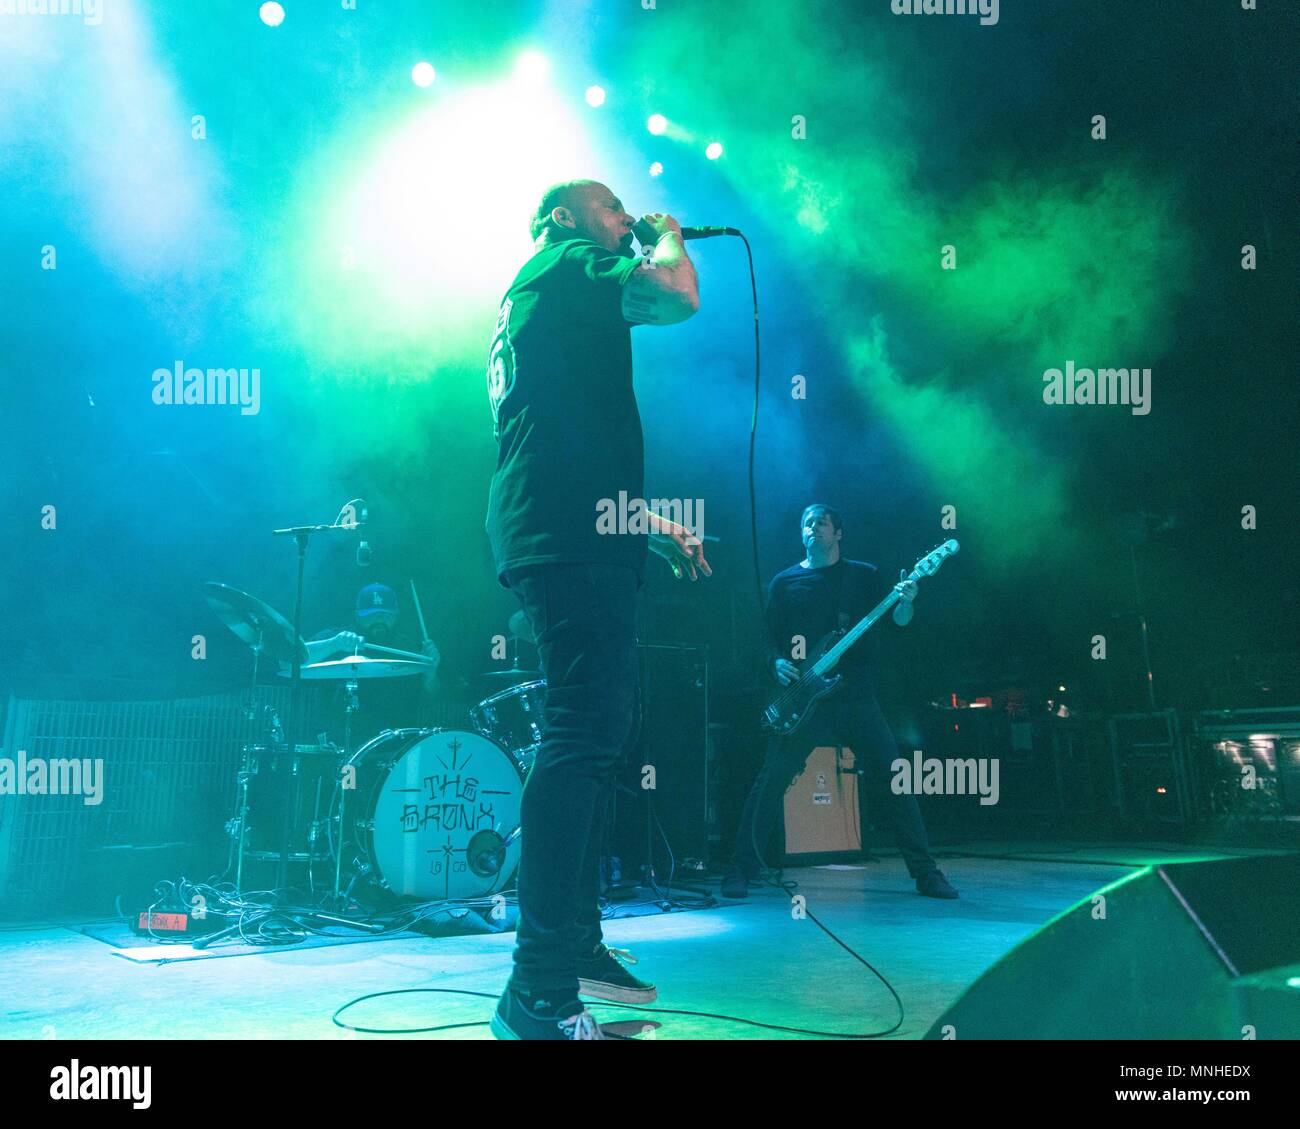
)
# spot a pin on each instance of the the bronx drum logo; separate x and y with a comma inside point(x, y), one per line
point(501, 364)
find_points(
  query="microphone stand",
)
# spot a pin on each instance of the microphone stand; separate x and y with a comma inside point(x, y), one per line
point(288, 753)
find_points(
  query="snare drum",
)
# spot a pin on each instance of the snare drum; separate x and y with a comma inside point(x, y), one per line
point(514, 718)
point(434, 812)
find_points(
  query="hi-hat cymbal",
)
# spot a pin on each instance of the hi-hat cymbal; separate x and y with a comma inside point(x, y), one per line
point(254, 622)
point(359, 666)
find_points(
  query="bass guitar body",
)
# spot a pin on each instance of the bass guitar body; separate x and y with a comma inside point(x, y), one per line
point(796, 703)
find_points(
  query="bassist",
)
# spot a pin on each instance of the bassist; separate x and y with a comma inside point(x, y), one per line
point(822, 593)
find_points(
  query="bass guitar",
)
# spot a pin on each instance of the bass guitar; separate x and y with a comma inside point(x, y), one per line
point(797, 701)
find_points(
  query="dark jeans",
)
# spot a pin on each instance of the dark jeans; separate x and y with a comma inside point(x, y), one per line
point(584, 620)
point(849, 716)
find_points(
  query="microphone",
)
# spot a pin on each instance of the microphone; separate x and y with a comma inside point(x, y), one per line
point(358, 521)
point(486, 851)
point(707, 232)
point(364, 555)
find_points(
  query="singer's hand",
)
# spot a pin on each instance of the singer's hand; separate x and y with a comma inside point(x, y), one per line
point(683, 551)
point(652, 225)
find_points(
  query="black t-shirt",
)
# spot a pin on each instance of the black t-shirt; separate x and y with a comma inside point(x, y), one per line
point(813, 601)
point(566, 420)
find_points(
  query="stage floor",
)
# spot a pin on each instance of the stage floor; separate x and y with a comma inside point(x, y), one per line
point(752, 959)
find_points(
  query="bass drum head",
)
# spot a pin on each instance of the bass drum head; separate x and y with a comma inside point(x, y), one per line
point(443, 818)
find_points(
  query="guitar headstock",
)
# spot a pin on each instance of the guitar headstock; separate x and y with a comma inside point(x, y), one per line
point(929, 564)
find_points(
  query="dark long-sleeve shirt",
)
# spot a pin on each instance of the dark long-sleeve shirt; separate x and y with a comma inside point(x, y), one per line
point(810, 602)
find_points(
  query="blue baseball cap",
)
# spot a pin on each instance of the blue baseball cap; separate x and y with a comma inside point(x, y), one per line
point(375, 599)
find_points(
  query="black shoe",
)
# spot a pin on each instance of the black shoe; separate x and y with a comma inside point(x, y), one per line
point(604, 976)
point(520, 1017)
point(935, 885)
point(735, 882)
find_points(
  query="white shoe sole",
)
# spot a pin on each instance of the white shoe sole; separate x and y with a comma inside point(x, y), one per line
point(616, 994)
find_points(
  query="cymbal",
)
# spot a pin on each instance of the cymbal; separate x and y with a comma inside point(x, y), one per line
point(520, 628)
point(254, 622)
point(359, 666)
point(512, 675)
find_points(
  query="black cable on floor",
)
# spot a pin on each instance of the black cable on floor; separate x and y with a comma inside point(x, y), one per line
point(588, 1004)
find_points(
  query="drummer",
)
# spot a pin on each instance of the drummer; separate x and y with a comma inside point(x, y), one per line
point(375, 620)
point(383, 703)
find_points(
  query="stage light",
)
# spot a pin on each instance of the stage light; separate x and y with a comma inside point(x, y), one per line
point(656, 124)
point(714, 151)
point(423, 74)
point(425, 235)
point(532, 66)
point(595, 96)
point(272, 14)
point(656, 169)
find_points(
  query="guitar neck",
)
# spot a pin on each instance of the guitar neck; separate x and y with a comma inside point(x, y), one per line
point(827, 662)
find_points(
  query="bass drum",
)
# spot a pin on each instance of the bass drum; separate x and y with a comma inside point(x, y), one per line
point(434, 812)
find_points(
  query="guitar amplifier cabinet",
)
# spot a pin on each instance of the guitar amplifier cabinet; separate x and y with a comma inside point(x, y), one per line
point(822, 820)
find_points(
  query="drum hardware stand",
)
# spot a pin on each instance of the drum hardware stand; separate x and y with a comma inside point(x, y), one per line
point(353, 704)
point(237, 828)
point(240, 830)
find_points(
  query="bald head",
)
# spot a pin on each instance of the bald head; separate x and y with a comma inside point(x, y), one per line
point(582, 209)
point(561, 195)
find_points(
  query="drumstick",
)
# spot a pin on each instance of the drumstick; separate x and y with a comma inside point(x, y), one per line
point(424, 631)
point(394, 651)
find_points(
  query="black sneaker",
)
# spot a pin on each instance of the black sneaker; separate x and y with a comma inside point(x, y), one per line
point(935, 885)
point(735, 882)
point(604, 976)
point(518, 1017)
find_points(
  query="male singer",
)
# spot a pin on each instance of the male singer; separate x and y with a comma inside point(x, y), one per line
point(569, 437)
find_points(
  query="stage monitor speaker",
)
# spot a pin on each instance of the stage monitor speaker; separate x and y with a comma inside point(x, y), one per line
point(1193, 950)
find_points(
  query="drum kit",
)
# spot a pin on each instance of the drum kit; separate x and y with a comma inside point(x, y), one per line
point(423, 814)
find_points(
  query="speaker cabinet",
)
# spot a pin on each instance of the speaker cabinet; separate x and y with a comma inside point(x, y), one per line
point(1193, 950)
point(670, 821)
point(821, 809)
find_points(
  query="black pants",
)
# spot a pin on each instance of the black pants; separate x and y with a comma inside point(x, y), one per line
point(584, 620)
point(850, 716)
